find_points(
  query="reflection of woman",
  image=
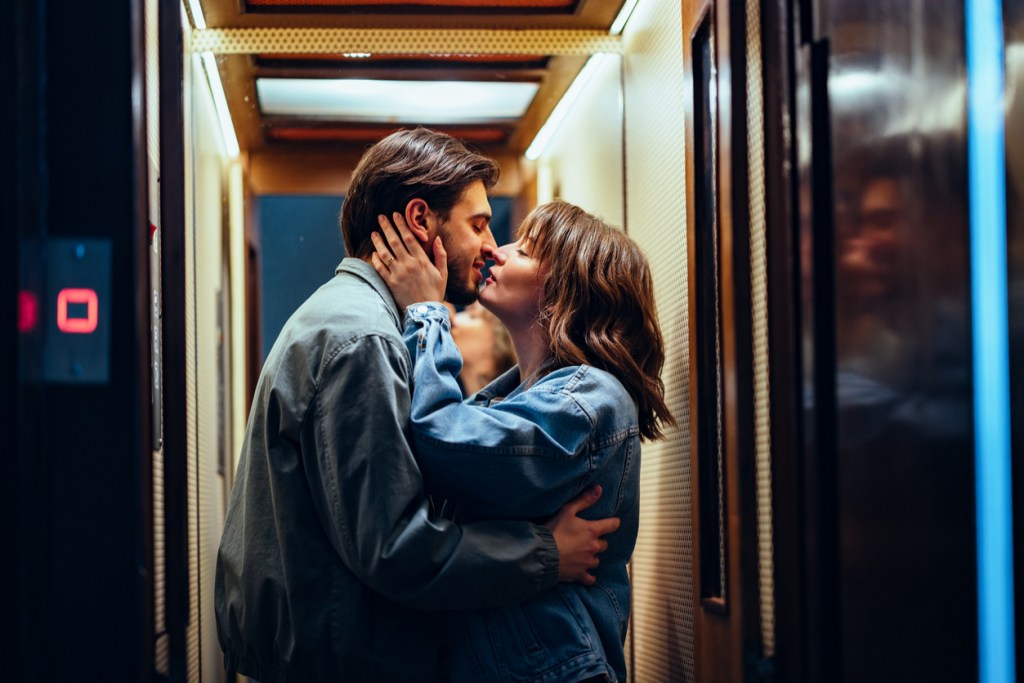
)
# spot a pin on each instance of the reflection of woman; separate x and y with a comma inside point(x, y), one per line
point(576, 298)
point(484, 345)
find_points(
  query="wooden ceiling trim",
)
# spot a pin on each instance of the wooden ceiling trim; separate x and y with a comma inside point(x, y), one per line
point(288, 169)
point(283, 168)
point(562, 71)
point(375, 41)
point(237, 77)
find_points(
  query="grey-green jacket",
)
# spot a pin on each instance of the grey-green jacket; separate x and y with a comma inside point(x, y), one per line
point(329, 551)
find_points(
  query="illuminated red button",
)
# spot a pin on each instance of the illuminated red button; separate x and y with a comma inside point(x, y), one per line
point(76, 324)
point(28, 311)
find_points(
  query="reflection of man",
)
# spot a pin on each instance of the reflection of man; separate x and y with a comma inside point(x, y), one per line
point(870, 297)
point(328, 539)
point(871, 291)
point(869, 257)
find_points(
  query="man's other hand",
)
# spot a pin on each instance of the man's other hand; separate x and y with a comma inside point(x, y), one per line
point(579, 540)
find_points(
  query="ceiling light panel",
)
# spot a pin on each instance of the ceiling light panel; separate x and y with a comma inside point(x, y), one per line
point(401, 102)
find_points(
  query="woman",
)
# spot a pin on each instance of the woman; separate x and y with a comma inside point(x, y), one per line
point(575, 295)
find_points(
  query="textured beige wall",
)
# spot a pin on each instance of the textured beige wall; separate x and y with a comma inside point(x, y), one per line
point(205, 166)
point(583, 162)
point(662, 635)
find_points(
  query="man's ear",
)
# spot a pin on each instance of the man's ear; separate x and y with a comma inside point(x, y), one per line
point(420, 220)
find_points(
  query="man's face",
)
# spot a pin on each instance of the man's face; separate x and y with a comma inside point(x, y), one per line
point(468, 240)
point(871, 257)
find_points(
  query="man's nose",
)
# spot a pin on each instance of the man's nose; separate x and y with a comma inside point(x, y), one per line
point(492, 253)
point(488, 238)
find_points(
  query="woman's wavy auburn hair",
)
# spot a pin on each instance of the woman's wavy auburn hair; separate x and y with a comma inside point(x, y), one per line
point(597, 304)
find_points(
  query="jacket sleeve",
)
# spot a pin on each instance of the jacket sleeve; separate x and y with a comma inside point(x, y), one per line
point(521, 458)
point(369, 493)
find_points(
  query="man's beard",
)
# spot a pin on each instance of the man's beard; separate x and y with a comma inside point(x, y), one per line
point(459, 290)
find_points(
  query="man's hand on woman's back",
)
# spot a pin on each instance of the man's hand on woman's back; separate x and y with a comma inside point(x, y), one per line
point(579, 540)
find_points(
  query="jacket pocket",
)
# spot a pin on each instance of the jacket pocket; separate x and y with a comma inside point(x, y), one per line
point(524, 630)
point(523, 641)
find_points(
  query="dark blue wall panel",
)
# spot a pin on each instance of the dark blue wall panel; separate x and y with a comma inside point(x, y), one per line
point(300, 246)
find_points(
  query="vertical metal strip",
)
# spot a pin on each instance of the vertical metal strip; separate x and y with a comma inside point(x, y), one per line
point(716, 268)
point(173, 219)
point(987, 187)
point(759, 313)
point(161, 661)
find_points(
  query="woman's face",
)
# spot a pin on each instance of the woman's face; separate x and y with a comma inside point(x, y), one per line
point(513, 291)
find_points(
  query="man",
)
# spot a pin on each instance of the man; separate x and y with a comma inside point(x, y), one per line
point(328, 548)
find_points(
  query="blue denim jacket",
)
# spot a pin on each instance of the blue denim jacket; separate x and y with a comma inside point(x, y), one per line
point(513, 452)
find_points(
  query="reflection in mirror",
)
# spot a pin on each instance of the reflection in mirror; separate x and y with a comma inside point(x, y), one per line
point(903, 367)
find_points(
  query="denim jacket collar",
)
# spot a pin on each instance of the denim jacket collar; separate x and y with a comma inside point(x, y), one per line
point(501, 388)
point(365, 271)
point(508, 385)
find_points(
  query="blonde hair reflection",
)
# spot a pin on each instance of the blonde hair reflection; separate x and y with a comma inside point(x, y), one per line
point(485, 346)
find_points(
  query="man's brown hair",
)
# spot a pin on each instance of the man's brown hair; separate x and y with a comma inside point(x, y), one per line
point(597, 304)
point(406, 165)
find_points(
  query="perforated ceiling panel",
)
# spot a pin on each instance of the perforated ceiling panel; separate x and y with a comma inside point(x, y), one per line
point(662, 635)
point(402, 41)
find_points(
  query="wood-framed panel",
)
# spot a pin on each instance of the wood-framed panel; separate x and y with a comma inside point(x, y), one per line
point(784, 350)
point(727, 626)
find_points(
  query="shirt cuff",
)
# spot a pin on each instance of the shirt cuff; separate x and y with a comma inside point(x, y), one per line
point(427, 310)
point(550, 556)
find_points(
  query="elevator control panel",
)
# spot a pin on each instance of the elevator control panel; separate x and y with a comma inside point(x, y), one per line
point(76, 311)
